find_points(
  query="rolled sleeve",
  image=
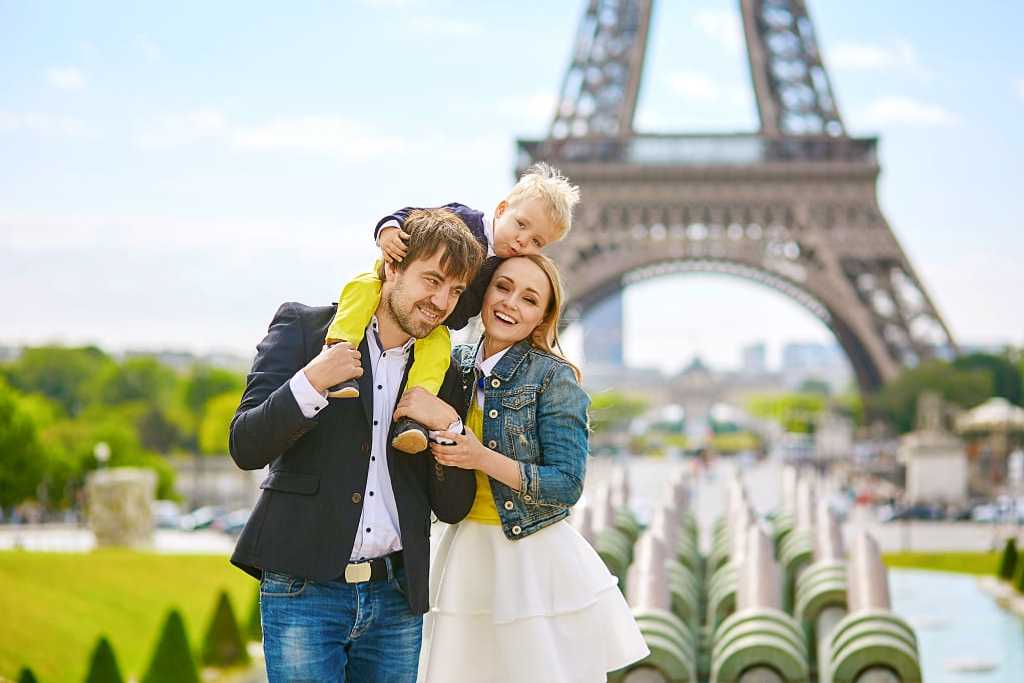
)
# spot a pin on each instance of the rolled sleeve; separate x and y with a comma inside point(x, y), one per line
point(310, 401)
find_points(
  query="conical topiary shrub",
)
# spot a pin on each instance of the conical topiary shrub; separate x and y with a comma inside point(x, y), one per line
point(224, 645)
point(172, 661)
point(1018, 579)
point(254, 629)
point(26, 676)
point(103, 667)
point(1009, 561)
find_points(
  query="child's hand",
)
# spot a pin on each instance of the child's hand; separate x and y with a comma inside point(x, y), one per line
point(392, 244)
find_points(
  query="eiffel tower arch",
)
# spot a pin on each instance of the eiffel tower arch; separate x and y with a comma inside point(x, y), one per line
point(792, 206)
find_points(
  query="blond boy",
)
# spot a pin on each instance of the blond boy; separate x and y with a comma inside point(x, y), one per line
point(536, 213)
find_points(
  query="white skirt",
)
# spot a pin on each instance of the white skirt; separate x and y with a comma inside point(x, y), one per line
point(543, 608)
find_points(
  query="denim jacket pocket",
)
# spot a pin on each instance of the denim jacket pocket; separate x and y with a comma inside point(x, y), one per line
point(278, 585)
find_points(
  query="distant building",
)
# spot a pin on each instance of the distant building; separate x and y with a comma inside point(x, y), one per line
point(754, 359)
point(602, 333)
point(803, 361)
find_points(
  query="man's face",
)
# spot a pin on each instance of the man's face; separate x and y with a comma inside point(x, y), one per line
point(422, 296)
point(522, 228)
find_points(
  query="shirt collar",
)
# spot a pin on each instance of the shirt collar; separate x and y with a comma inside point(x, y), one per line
point(486, 367)
point(489, 234)
point(374, 334)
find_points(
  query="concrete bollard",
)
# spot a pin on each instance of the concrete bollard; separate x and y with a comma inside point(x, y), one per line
point(672, 642)
point(871, 643)
point(758, 638)
point(796, 549)
point(611, 544)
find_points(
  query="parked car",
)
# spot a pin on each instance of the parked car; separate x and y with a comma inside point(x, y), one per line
point(166, 514)
point(200, 518)
point(233, 522)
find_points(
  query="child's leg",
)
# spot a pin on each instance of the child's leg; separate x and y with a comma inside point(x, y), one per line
point(356, 304)
point(430, 362)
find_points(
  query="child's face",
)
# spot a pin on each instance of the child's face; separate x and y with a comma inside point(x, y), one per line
point(522, 228)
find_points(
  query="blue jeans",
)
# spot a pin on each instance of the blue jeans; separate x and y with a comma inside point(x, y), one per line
point(337, 632)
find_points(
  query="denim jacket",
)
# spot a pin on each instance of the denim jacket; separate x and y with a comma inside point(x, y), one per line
point(535, 412)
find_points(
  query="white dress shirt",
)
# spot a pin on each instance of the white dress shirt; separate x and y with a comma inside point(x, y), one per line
point(485, 367)
point(379, 533)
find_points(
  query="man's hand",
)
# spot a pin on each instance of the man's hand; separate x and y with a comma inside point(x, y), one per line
point(425, 408)
point(392, 244)
point(333, 365)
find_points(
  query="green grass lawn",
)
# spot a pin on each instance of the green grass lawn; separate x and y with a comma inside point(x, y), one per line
point(54, 606)
point(964, 563)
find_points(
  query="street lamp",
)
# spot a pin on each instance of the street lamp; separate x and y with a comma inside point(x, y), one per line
point(101, 451)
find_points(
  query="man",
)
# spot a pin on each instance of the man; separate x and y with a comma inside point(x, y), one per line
point(340, 535)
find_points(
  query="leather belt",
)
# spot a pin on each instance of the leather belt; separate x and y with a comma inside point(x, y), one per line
point(373, 570)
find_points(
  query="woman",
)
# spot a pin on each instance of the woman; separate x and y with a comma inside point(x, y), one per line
point(516, 593)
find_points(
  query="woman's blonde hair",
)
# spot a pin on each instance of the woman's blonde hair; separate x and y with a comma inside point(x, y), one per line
point(545, 335)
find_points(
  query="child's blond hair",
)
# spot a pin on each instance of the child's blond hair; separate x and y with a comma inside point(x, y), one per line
point(546, 183)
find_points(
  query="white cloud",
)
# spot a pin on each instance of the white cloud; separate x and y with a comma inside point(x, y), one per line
point(47, 125)
point(321, 135)
point(855, 56)
point(722, 25)
point(65, 77)
point(899, 109)
point(149, 48)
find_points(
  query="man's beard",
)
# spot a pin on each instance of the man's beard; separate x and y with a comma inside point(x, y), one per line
point(404, 318)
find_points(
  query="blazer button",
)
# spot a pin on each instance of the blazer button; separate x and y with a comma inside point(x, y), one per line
point(517, 530)
point(356, 497)
point(492, 444)
point(509, 505)
point(493, 414)
point(495, 383)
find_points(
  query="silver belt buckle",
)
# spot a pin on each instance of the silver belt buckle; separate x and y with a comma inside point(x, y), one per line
point(357, 573)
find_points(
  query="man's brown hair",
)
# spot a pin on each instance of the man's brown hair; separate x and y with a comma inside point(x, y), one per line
point(433, 229)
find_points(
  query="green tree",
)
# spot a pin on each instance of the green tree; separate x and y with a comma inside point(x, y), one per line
point(614, 410)
point(140, 379)
point(205, 382)
point(213, 430)
point(224, 645)
point(1018, 579)
point(897, 400)
point(22, 462)
point(1008, 562)
point(26, 676)
point(103, 667)
point(814, 386)
point(1006, 376)
point(172, 661)
point(65, 375)
point(796, 412)
point(255, 626)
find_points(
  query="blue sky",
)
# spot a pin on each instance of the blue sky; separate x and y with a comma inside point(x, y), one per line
point(172, 173)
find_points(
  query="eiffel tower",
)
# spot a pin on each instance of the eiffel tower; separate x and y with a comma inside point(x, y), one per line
point(792, 206)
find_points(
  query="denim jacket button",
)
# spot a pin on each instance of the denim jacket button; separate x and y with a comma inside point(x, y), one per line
point(495, 383)
point(492, 444)
point(528, 498)
point(509, 505)
point(493, 414)
point(517, 530)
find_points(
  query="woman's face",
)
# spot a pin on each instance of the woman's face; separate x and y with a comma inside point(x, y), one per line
point(515, 301)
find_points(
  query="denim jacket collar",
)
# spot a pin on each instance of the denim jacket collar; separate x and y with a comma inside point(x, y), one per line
point(508, 364)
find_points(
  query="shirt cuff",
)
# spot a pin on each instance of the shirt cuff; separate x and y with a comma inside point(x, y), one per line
point(455, 427)
point(310, 401)
point(393, 223)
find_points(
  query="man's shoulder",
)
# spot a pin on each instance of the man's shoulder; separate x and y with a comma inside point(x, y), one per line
point(307, 316)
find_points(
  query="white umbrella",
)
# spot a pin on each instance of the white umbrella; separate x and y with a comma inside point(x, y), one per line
point(994, 415)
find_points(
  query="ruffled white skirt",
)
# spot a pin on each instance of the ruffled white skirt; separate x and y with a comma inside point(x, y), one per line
point(542, 608)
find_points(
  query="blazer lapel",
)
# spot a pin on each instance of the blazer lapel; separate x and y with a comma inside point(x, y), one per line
point(366, 381)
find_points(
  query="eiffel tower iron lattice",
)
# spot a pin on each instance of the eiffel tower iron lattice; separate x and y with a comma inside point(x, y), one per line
point(792, 206)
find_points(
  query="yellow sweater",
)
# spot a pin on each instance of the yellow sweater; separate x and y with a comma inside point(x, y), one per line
point(483, 510)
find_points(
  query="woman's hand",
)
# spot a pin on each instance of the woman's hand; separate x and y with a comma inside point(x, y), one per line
point(467, 452)
point(425, 408)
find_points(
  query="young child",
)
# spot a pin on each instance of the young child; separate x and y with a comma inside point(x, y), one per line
point(537, 212)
